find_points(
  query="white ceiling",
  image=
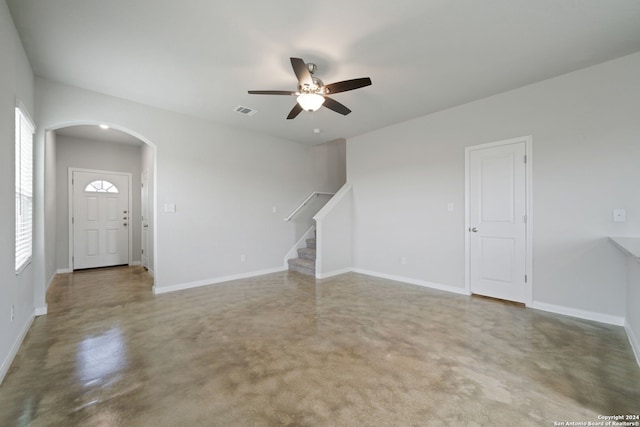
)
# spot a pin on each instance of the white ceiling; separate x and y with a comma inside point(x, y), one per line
point(199, 57)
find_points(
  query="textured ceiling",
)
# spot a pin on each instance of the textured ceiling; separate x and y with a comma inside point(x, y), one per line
point(199, 57)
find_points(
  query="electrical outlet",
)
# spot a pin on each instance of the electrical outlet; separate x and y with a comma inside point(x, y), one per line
point(13, 313)
point(243, 258)
point(403, 260)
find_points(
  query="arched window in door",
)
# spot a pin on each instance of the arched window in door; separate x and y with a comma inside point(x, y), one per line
point(101, 186)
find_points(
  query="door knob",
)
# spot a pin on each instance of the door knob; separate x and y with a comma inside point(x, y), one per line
point(125, 224)
point(473, 230)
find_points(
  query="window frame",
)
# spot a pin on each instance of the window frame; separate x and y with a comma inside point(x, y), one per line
point(23, 143)
point(98, 186)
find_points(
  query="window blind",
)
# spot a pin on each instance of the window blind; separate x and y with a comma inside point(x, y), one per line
point(24, 189)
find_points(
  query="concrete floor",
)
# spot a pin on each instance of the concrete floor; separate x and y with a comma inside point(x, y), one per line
point(285, 349)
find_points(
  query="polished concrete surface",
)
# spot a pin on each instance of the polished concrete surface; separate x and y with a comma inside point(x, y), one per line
point(285, 349)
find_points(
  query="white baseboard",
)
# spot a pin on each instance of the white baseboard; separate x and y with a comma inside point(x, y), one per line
point(333, 273)
point(150, 271)
point(581, 314)
point(40, 311)
point(213, 281)
point(6, 363)
point(64, 271)
point(633, 340)
point(411, 281)
point(134, 263)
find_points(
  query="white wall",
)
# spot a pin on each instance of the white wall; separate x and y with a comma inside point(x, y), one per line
point(98, 155)
point(16, 83)
point(224, 183)
point(330, 165)
point(586, 132)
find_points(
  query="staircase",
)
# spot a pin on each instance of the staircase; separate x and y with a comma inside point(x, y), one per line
point(306, 261)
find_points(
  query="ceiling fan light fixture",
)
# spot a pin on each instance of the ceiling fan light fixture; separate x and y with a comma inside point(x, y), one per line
point(310, 101)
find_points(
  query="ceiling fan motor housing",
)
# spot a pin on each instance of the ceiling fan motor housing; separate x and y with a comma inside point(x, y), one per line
point(316, 88)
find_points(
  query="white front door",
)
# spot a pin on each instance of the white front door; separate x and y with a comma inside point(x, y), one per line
point(101, 218)
point(497, 257)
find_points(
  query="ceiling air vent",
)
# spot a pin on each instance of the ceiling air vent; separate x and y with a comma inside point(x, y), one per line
point(245, 110)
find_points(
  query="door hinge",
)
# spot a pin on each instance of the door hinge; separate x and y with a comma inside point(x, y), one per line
point(142, 251)
point(525, 158)
point(525, 278)
point(73, 221)
point(524, 218)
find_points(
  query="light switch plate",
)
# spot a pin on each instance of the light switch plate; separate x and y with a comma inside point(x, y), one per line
point(619, 215)
point(169, 207)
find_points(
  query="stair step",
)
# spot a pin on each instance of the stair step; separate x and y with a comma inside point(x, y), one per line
point(307, 253)
point(304, 266)
point(305, 263)
point(311, 243)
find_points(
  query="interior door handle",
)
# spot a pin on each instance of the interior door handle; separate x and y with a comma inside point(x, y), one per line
point(473, 230)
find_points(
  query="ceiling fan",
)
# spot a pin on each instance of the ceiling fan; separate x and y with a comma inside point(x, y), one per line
point(312, 92)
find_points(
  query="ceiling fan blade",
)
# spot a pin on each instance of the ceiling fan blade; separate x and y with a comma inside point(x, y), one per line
point(334, 105)
point(302, 72)
point(346, 85)
point(294, 111)
point(271, 92)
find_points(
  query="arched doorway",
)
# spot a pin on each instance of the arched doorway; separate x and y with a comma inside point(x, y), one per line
point(86, 146)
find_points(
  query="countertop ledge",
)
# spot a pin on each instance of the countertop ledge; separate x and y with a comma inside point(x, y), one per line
point(629, 245)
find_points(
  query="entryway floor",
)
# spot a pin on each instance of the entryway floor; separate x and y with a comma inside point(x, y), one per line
point(286, 349)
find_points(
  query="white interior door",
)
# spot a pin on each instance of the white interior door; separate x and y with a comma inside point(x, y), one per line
point(101, 218)
point(144, 204)
point(497, 221)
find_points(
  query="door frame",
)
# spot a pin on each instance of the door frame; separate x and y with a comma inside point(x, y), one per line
point(70, 216)
point(528, 142)
point(144, 206)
